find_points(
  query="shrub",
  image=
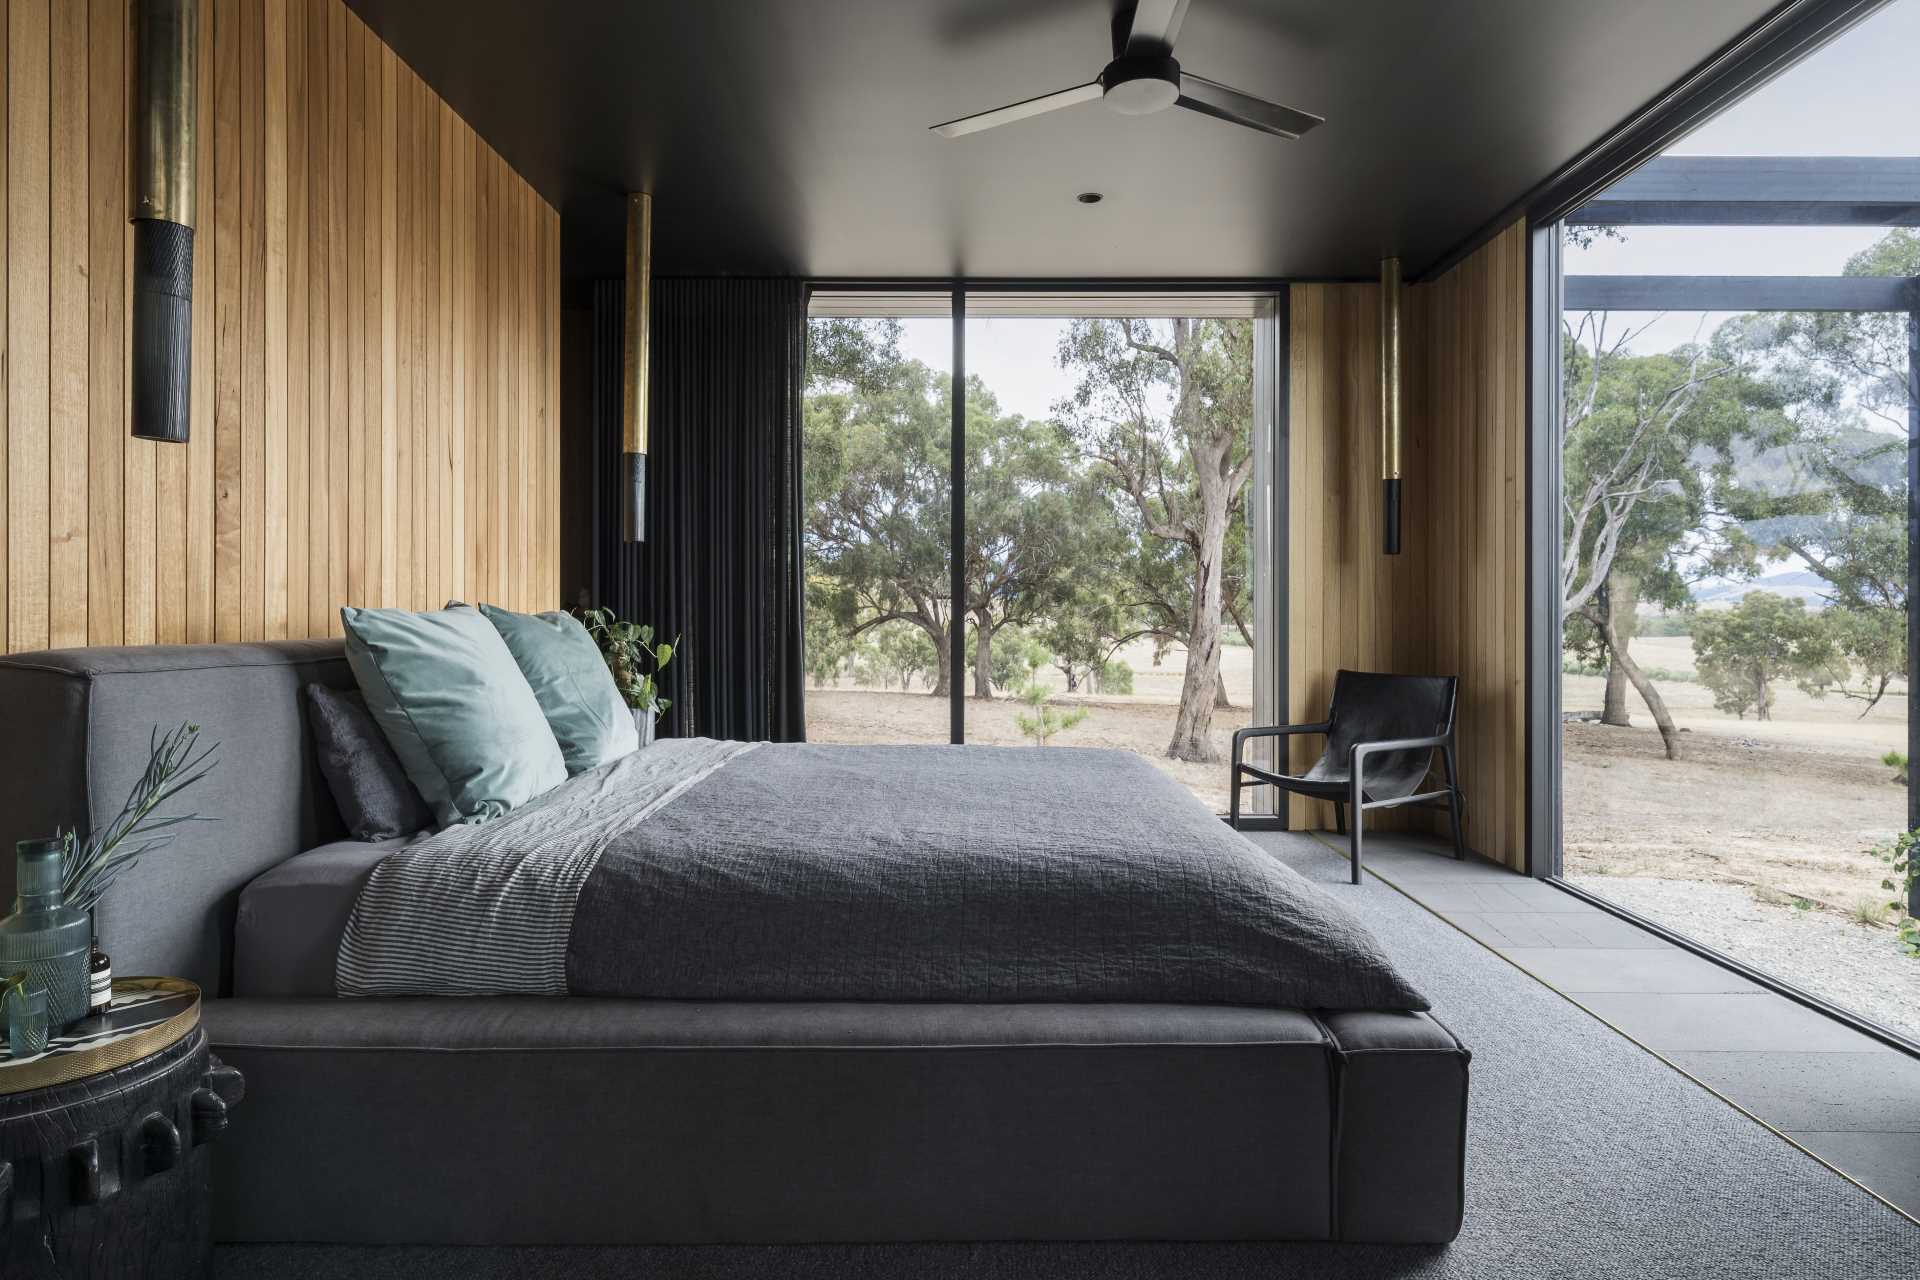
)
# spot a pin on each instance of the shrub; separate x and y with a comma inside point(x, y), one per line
point(1903, 870)
point(1896, 761)
point(1046, 721)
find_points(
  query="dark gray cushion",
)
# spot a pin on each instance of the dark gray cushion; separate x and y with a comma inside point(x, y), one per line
point(288, 932)
point(370, 786)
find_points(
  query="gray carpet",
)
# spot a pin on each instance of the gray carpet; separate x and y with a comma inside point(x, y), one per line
point(1588, 1159)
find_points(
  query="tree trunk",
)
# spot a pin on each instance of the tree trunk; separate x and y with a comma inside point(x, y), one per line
point(943, 655)
point(1621, 605)
point(982, 654)
point(1614, 710)
point(1662, 719)
point(1193, 727)
point(1220, 698)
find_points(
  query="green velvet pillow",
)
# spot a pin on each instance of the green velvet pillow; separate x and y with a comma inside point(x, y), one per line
point(583, 706)
point(451, 700)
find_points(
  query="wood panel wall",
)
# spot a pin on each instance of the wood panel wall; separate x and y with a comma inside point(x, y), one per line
point(1453, 601)
point(375, 346)
point(1467, 399)
point(1348, 605)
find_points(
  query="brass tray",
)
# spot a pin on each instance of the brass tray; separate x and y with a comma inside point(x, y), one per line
point(148, 1014)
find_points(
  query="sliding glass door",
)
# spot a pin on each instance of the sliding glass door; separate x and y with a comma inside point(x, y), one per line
point(1737, 447)
point(1114, 570)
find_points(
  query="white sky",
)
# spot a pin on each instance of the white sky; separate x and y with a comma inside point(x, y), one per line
point(1014, 357)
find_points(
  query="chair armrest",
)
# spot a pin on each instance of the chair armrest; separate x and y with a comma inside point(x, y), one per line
point(1274, 731)
point(1360, 750)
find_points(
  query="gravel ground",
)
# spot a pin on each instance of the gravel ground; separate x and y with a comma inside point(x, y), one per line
point(1855, 966)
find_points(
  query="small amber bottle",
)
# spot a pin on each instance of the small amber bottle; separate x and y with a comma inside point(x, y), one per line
point(99, 983)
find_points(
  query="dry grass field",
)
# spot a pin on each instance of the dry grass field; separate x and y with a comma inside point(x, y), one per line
point(1786, 804)
point(1141, 722)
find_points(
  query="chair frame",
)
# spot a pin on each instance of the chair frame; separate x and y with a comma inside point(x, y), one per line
point(1250, 775)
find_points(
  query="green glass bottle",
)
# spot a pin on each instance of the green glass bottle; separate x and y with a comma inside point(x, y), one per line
point(45, 937)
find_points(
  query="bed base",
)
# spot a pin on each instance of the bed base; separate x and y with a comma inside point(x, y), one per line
point(578, 1121)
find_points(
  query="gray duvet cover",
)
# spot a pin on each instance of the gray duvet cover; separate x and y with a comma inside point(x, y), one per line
point(728, 871)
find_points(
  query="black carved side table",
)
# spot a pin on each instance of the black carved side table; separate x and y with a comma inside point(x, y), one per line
point(103, 1155)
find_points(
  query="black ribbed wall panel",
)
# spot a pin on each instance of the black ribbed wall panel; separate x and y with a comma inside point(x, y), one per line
point(720, 567)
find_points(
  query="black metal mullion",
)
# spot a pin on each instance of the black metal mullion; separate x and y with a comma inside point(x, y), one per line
point(1279, 441)
point(1913, 568)
point(1545, 300)
point(957, 527)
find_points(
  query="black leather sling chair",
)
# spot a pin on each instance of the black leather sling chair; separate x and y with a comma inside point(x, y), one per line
point(1381, 731)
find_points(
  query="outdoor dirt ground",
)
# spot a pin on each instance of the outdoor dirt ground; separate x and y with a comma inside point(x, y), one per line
point(1790, 803)
point(1141, 722)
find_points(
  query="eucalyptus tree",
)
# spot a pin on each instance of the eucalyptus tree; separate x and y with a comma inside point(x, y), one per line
point(875, 471)
point(1647, 445)
point(1837, 498)
point(1163, 409)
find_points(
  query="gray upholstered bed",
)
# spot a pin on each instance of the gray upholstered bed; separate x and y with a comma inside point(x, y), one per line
point(933, 1053)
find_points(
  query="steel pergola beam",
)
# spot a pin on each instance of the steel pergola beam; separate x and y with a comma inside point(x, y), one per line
point(1742, 293)
point(1761, 191)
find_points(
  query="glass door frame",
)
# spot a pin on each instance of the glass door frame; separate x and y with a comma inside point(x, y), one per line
point(1819, 200)
point(1269, 482)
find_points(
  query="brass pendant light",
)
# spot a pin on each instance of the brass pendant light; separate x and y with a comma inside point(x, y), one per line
point(165, 141)
point(1392, 298)
point(635, 335)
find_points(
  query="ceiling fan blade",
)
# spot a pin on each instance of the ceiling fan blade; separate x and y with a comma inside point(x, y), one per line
point(1020, 110)
point(1211, 98)
point(1156, 25)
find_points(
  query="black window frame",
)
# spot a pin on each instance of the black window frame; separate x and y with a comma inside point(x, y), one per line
point(1273, 341)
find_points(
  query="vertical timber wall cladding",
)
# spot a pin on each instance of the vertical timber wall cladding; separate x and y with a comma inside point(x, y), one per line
point(1349, 605)
point(375, 343)
point(1453, 602)
point(1467, 405)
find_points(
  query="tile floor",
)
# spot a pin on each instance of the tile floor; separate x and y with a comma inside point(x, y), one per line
point(1847, 1098)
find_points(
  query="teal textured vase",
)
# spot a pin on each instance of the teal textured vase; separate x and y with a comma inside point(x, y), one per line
point(45, 937)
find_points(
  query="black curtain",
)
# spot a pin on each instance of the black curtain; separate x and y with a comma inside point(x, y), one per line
point(720, 568)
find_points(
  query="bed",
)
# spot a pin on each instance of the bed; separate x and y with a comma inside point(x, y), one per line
point(736, 993)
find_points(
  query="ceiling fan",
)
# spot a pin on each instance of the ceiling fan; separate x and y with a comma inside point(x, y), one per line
point(1144, 78)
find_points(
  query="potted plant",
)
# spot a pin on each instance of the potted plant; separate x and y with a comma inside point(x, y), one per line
point(635, 661)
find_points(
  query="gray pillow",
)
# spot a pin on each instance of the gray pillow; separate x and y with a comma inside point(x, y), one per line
point(563, 666)
point(450, 699)
point(369, 785)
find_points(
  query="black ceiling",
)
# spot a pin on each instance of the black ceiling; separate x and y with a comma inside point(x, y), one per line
point(790, 136)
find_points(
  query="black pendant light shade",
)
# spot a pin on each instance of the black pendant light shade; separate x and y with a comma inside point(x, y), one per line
point(1391, 298)
point(166, 46)
point(162, 329)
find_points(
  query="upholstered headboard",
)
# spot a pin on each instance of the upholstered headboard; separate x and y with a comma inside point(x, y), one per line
point(74, 727)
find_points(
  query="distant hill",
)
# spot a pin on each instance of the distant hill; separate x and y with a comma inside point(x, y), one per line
point(1793, 584)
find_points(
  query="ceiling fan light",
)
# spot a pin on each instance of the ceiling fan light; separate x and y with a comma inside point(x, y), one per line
point(1140, 86)
point(1141, 97)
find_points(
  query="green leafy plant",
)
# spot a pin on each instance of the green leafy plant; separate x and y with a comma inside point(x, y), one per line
point(1903, 870)
point(1896, 761)
point(173, 764)
point(1046, 721)
point(631, 655)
